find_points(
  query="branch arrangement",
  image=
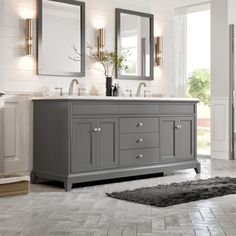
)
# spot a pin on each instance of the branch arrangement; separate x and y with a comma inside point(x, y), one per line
point(78, 55)
point(109, 60)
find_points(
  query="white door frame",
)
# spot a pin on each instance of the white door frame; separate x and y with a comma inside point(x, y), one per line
point(1, 135)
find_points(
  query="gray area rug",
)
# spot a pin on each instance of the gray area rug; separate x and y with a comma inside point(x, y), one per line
point(176, 193)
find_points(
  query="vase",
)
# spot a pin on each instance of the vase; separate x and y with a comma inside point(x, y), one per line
point(108, 86)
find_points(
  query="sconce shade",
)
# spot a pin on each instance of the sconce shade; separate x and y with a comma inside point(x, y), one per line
point(100, 41)
point(158, 50)
point(159, 44)
point(29, 37)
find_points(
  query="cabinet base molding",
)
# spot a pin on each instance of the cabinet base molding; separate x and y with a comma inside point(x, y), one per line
point(114, 173)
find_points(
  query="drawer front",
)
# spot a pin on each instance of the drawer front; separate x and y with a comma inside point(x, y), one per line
point(100, 109)
point(139, 109)
point(136, 157)
point(139, 125)
point(176, 109)
point(161, 109)
point(139, 140)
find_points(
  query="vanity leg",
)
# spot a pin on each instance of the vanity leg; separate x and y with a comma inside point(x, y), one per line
point(198, 169)
point(67, 185)
point(33, 178)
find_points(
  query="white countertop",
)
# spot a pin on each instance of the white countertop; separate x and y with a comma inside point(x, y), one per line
point(103, 98)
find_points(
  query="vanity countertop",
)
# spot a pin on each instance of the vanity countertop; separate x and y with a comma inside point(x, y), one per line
point(103, 98)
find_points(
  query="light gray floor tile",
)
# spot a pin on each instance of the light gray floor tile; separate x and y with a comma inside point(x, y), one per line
point(87, 211)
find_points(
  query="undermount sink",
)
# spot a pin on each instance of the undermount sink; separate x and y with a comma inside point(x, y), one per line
point(107, 98)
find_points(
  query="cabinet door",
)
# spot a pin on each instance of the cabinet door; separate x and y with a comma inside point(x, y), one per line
point(185, 138)
point(83, 145)
point(107, 142)
point(168, 138)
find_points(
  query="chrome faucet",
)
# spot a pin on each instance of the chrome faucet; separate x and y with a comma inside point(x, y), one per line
point(70, 93)
point(138, 94)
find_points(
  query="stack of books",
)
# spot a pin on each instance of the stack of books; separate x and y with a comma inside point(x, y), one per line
point(14, 185)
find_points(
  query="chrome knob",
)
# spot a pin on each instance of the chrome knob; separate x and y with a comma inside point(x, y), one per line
point(79, 90)
point(178, 126)
point(99, 129)
point(139, 140)
point(95, 130)
point(60, 91)
point(140, 124)
point(139, 156)
point(130, 92)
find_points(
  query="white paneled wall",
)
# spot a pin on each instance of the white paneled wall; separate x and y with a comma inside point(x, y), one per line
point(220, 131)
point(1, 43)
point(15, 134)
point(1, 135)
point(19, 72)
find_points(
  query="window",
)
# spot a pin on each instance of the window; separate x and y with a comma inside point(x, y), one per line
point(192, 28)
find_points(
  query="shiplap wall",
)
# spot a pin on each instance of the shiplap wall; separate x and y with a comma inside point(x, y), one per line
point(19, 74)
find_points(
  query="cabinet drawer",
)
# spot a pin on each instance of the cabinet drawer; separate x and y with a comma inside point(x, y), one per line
point(139, 140)
point(176, 109)
point(161, 109)
point(139, 109)
point(139, 125)
point(136, 157)
point(81, 109)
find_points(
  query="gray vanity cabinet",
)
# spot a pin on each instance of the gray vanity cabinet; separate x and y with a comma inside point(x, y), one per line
point(82, 140)
point(94, 144)
point(177, 138)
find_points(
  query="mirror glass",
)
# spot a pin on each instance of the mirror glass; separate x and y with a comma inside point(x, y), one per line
point(134, 39)
point(61, 38)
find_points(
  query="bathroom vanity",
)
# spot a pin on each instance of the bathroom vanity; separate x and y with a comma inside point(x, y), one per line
point(81, 139)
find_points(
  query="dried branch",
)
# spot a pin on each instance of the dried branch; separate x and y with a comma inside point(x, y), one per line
point(76, 58)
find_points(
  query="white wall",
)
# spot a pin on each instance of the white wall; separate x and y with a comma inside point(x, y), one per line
point(221, 117)
point(19, 71)
point(1, 47)
point(181, 3)
point(220, 48)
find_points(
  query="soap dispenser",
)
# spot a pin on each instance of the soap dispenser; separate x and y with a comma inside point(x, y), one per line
point(115, 91)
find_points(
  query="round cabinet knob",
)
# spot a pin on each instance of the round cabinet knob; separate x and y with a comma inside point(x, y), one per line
point(178, 126)
point(139, 140)
point(139, 156)
point(140, 124)
point(95, 130)
point(99, 129)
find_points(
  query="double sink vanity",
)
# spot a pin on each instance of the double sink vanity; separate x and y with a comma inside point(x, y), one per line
point(85, 138)
point(82, 139)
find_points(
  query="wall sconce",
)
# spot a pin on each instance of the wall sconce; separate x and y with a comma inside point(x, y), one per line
point(29, 37)
point(100, 42)
point(158, 50)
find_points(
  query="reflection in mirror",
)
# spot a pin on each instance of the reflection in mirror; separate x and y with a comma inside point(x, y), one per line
point(61, 48)
point(134, 38)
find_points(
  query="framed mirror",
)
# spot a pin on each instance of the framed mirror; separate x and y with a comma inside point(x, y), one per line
point(61, 38)
point(134, 39)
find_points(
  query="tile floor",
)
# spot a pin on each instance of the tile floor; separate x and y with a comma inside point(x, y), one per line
point(48, 210)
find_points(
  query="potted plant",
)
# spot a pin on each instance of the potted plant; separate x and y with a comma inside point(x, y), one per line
point(111, 62)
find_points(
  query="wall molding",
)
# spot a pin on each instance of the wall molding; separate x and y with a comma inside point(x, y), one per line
point(16, 142)
point(1, 134)
point(220, 128)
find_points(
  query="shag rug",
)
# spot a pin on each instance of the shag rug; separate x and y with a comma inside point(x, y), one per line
point(177, 193)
